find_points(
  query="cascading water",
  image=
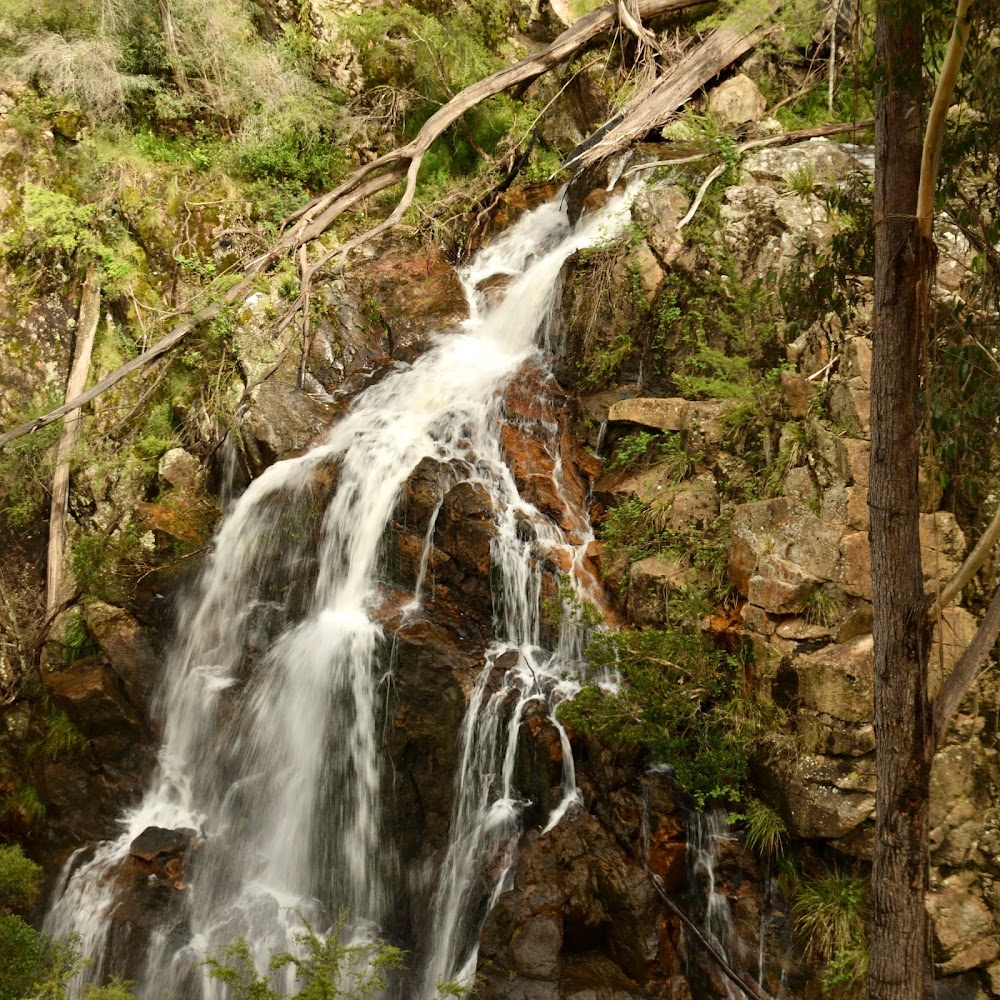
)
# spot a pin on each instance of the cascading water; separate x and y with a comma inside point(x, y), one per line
point(705, 831)
point(270, 748)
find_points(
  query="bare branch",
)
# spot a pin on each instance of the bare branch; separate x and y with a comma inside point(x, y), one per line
point(967, 669)
point(934, 135)
point(724, 45)
point(772, 140)
point(975, 559)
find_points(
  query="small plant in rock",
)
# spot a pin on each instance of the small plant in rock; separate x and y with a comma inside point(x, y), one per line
point(766, 833)
point(664, 450)
point(62, 740)
point(831, 913)
point(802, 180)
point(820, 609)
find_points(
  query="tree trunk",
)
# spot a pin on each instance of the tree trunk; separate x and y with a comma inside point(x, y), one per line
point(86, 328)
point(903, 722)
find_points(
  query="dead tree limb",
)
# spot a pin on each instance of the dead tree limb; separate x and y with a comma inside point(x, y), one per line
point(969, 665)
point(90, 314)
point(721, 48)
point(369, 179)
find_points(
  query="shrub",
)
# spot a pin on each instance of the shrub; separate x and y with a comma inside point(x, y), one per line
point(19, 879)
point(326, 968)
point(679, 701)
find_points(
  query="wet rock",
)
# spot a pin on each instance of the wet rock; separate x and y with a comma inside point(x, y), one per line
point(281, 420)
point(123, 641)
point(737, 101)
point(464, 532)
point(581, 916)
point(549, 466)
point(162, 853)
point(412, 295)
point(90, 695)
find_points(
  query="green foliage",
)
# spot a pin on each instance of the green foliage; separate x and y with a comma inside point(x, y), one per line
point(637, 529)
point(680, 701)
point(663, 449)
point(25, 468)
point(831, 914)
point(328, 969)
point(833, 279)
point(766, 834)
point(23, 805)
point(77, 641)
point(821, 608)
point(24, 960)
point(19, 879)
point(62, 740)
point(54, 221)
point(115, 990)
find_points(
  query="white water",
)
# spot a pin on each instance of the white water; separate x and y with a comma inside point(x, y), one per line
point(270, 751)
point(705, 831)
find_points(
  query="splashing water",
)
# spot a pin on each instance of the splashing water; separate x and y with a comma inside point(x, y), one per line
point(270, 748)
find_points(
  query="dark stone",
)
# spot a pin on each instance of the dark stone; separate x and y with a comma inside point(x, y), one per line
point(155, 842)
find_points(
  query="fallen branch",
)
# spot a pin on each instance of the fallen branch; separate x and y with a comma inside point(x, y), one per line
point(90, 314)
point(402, 162)
point(698, 934)
point(721, 48)
point(819, 132)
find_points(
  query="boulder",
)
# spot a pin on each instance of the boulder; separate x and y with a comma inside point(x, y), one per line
point(737, 101)
point(650, 583)
point(581, 920)
point(820, 797)
point(703, 421)
point(781, 586)
point(411, 295)
point(657, 210)
point(788, 532)
point(181, 469)
point(281, 420)
point(942, 547)
point(963, 927)
point(123, 641)
point(820, 159)
point(90, 695)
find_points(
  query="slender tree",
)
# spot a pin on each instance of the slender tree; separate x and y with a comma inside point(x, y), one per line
point(903, 726)
point(908, 724)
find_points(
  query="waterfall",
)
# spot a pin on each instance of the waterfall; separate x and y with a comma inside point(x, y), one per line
point(270, 754)
point(705, 831)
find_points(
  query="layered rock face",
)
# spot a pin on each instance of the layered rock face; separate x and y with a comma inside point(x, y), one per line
point(798, 559)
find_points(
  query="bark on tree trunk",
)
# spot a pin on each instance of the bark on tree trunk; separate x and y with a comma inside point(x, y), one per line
point(903, 721)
